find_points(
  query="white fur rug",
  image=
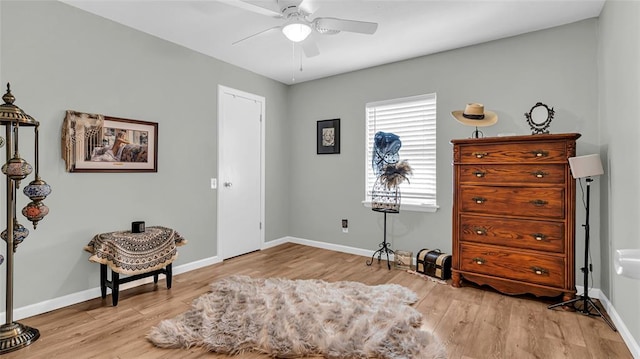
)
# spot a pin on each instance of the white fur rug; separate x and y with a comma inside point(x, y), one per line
point(294, 318)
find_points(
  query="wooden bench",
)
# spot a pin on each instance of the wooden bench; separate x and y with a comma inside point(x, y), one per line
point(134, 255)
point(115, 281)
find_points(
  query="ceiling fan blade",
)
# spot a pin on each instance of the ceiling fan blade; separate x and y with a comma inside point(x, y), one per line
point(257, 33)
point(329, 24)
point(309, 6)
point(309, 47)
point(267, 8)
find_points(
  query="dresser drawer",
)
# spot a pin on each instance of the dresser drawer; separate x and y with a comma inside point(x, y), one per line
point(514, 152)
point(504, 263)
point(498, 174)
point(516, 201)
point(514, 233)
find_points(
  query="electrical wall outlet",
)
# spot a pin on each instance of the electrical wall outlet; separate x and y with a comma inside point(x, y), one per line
point(345, 226)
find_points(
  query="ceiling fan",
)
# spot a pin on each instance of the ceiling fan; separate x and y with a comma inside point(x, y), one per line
point(297, 26)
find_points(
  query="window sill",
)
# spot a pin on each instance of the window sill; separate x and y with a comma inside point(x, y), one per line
point(411, 207)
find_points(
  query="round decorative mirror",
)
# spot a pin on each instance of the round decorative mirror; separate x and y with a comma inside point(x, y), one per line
point(539, 118)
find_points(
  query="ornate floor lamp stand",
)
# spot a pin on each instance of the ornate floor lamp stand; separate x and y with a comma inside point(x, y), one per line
point(384, 246)
point(14, 335)
point(385, 199)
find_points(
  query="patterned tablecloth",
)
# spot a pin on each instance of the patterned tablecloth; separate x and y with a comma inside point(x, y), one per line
point(135, 253)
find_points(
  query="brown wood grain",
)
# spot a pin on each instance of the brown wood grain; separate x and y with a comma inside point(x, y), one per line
point(514, 214)
point(511, 264)
point(510, 173)
point(513, 201)
point(472, 322)
point(526, 234)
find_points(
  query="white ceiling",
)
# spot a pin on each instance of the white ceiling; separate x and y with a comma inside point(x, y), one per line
point(407, 29)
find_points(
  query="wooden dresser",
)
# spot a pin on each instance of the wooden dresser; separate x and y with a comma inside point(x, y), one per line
point(514, 214)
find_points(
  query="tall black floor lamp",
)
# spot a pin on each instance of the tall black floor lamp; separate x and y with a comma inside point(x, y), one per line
point(586, 167)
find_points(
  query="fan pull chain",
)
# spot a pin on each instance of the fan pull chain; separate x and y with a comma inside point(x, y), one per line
point(300, 61)
point(293, 61)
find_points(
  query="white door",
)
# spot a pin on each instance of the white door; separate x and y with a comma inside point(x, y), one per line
point(240, 172)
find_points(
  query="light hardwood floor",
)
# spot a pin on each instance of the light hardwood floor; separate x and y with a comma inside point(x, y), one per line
point(472, 322)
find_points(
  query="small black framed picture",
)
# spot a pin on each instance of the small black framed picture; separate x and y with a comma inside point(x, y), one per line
point(328, 136)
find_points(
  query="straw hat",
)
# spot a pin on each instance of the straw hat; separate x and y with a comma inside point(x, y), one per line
point(475, 115)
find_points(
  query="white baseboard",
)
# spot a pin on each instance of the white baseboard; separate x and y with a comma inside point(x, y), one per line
point(78, 297)
point(74, 298)
point(593, 292)
point(330, 246)
point(275, 242)
point(631, 343)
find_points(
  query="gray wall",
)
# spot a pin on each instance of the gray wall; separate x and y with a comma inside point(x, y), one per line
point(57, 58)
point(619, 85)
point(556, 67)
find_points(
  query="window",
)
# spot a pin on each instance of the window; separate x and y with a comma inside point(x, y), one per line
point(413, 119)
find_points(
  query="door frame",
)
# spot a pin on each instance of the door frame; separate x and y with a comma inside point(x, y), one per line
point(222, 90)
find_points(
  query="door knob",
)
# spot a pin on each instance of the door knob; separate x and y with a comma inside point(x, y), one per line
point(227, 184)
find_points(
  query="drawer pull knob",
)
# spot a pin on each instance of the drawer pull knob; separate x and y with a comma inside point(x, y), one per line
point(478, 260)
point(480, 154)
point(479, 174)
point(479, 200)
point(539, 236)
point(539, 271)
point(538, 202)
point(480, 231)
point(539, 174)
point(540, 153)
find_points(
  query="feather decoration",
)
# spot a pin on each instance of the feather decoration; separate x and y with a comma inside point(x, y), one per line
point(395, 173)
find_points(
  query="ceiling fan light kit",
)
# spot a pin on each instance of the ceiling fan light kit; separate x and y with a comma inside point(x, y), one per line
point(296, 31)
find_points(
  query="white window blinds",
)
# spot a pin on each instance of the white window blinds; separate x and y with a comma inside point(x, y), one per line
point(413, 119)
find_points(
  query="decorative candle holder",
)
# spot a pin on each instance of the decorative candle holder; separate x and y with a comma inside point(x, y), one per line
point(137, 227)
